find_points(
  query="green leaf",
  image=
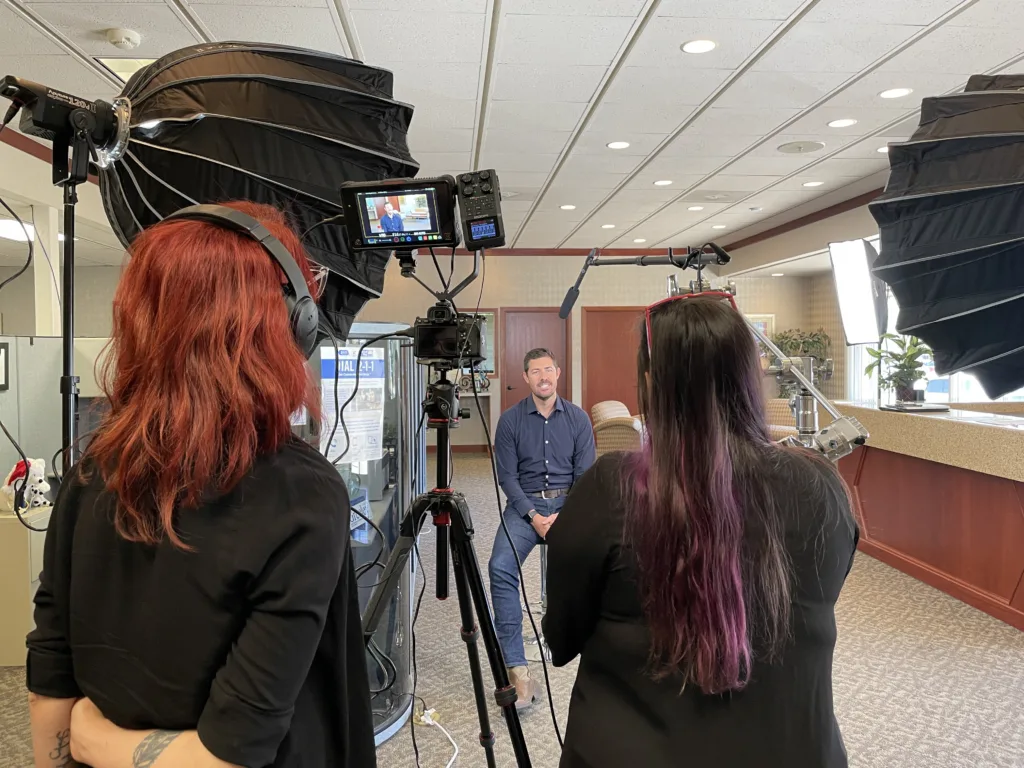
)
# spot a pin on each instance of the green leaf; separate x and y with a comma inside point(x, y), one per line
point(873, 352)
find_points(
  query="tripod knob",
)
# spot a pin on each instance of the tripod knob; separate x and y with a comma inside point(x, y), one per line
point(464, 413)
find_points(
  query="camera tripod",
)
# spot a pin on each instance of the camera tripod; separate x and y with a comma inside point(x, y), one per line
point(451, 517)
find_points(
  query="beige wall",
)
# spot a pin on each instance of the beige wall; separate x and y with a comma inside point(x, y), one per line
point(94, 300)
point(823, 312)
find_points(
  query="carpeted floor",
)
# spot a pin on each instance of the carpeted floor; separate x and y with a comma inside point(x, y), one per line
point(921, 680)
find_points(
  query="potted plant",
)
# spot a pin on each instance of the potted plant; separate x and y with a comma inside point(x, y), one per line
point(898, 364)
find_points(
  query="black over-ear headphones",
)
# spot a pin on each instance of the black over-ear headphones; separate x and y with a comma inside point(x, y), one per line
point(302, 310)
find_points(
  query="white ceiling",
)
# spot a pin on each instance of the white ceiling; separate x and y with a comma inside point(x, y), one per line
point(537, 89)
point(806, 266)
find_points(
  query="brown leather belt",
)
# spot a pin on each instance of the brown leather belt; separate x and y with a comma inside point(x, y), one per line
point(550, 493)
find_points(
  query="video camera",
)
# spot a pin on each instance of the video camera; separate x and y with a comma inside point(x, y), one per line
point(446, 339)
point(412, 213)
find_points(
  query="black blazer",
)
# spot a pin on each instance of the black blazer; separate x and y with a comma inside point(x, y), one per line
point(619, 715)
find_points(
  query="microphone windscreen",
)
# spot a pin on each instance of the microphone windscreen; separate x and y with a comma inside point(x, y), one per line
point(567, 303)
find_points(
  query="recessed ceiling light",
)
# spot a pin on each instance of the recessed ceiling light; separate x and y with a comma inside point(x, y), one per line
point(618, 144)
point(640, 240)
point(884, 150)
point(695, 208)
point(896, 93)
point(756, 208)
point(778, 274)
point(698, 46)
point(567, 207)
point(813, 183)
point(845, 122)
point(12, 230)
point(800, 147)
point(718, 226)
point(662, 182)
point(607, 226)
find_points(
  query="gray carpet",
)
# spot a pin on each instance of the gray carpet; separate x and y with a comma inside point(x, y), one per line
point(921, 680)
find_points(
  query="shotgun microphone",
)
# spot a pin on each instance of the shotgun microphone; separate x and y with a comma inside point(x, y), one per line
point(574, 293)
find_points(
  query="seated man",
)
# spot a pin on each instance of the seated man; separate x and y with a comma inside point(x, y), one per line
point(392, 220)
point(542, 446)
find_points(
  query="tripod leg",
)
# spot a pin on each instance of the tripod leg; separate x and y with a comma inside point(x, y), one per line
point(467, 572)
point(469, 635)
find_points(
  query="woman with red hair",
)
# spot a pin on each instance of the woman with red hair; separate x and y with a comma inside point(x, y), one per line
point(198, 598)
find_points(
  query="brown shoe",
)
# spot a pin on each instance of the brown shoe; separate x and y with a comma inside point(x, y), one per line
point(526, 691)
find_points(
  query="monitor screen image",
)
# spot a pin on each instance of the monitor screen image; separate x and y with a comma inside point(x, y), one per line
point(400, 217)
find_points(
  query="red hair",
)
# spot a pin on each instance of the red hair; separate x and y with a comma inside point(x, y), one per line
point(204, 371)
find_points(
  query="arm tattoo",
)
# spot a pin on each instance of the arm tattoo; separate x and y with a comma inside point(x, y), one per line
point(61, 753)
point(151, 747)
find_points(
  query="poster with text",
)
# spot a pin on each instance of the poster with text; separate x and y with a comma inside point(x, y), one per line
point(364, 416)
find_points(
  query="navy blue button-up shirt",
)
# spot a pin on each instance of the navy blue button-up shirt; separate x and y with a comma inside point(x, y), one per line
point(536, 453)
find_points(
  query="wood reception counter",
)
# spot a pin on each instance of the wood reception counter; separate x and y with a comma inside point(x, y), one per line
point(941, 497)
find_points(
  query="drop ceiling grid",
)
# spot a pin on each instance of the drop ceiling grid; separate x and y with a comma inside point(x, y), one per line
point(821, 112)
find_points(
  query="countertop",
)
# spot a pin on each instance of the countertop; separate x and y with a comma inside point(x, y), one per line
point(990, 443)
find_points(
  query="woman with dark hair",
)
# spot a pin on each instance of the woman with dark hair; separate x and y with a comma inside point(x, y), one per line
point(198, 598)
point(697, 578)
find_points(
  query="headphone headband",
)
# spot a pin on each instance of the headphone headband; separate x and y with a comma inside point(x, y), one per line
point(302, 310)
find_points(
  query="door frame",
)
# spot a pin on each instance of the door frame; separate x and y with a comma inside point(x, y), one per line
point(583, 341)
point(566, 364)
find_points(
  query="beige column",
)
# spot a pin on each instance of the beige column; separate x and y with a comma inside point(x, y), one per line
point(46, 283)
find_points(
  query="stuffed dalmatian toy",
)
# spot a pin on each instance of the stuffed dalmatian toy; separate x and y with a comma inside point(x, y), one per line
point(35, 486)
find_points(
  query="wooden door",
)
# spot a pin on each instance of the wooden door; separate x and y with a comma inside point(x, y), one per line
point(610, 338)
point(526, 328)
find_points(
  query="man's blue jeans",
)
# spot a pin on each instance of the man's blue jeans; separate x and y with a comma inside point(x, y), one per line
point(505, 598)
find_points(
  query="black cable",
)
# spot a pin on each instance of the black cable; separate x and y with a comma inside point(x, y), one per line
point(380, 538)
point(519, 565)
point(437, 267)
point(355, 389)
point(31, 246)
point(320, 224)
point(337, 353)
point(412, 632)
point(387, 666)
point(451, 271)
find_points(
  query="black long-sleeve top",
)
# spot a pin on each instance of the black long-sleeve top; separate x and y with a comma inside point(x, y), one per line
point(619, 715)
point(253, 637)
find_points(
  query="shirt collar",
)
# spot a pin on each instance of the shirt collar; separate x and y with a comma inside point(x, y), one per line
point(531, 404)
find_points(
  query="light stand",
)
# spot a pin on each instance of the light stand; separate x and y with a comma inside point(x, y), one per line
point(450, 514)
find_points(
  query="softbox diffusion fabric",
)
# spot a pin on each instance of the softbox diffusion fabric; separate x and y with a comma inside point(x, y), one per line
point(952, 231)
point(268, 123)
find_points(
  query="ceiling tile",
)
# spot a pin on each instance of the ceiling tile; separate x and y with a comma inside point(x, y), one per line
point(517, 161)
point(413, 36)
point(274, 3)
point(690, 144)
point(439, 163)
point(960, 49)
point(536, 239)
point(851, 167)
point(526, 142)
point(528, 116)
point(422, 6)
point(740, 122)
point(595, 142)
point(580, 164)
point(648, 85)
point(63, 72)
point(781, 165)
point(445, 81)
point(572, 194)
point(865, 92)
point(531, 82)
point(657, 117)
point(649, 198)
point(440, 140)
point(573, 7)
point(594, 179)
point(85, 25)
point(725, 182)
point(737, 39)
point(868, 149)
point(525, 179)
point(833, 47)
point(796, 184)
point(868, 120)
point(571, 40)
point(682, 170)
point(730, 9)
point(307, 27)
point(994, 14)
point(441, 113)
point(918, 12)
point(780, 89)
point(20, 37)
point(778, 200)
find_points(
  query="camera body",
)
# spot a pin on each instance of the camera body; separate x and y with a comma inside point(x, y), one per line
point(447, 340)
point(405, 214)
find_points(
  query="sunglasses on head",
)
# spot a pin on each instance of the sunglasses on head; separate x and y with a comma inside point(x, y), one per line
point(720, 295)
